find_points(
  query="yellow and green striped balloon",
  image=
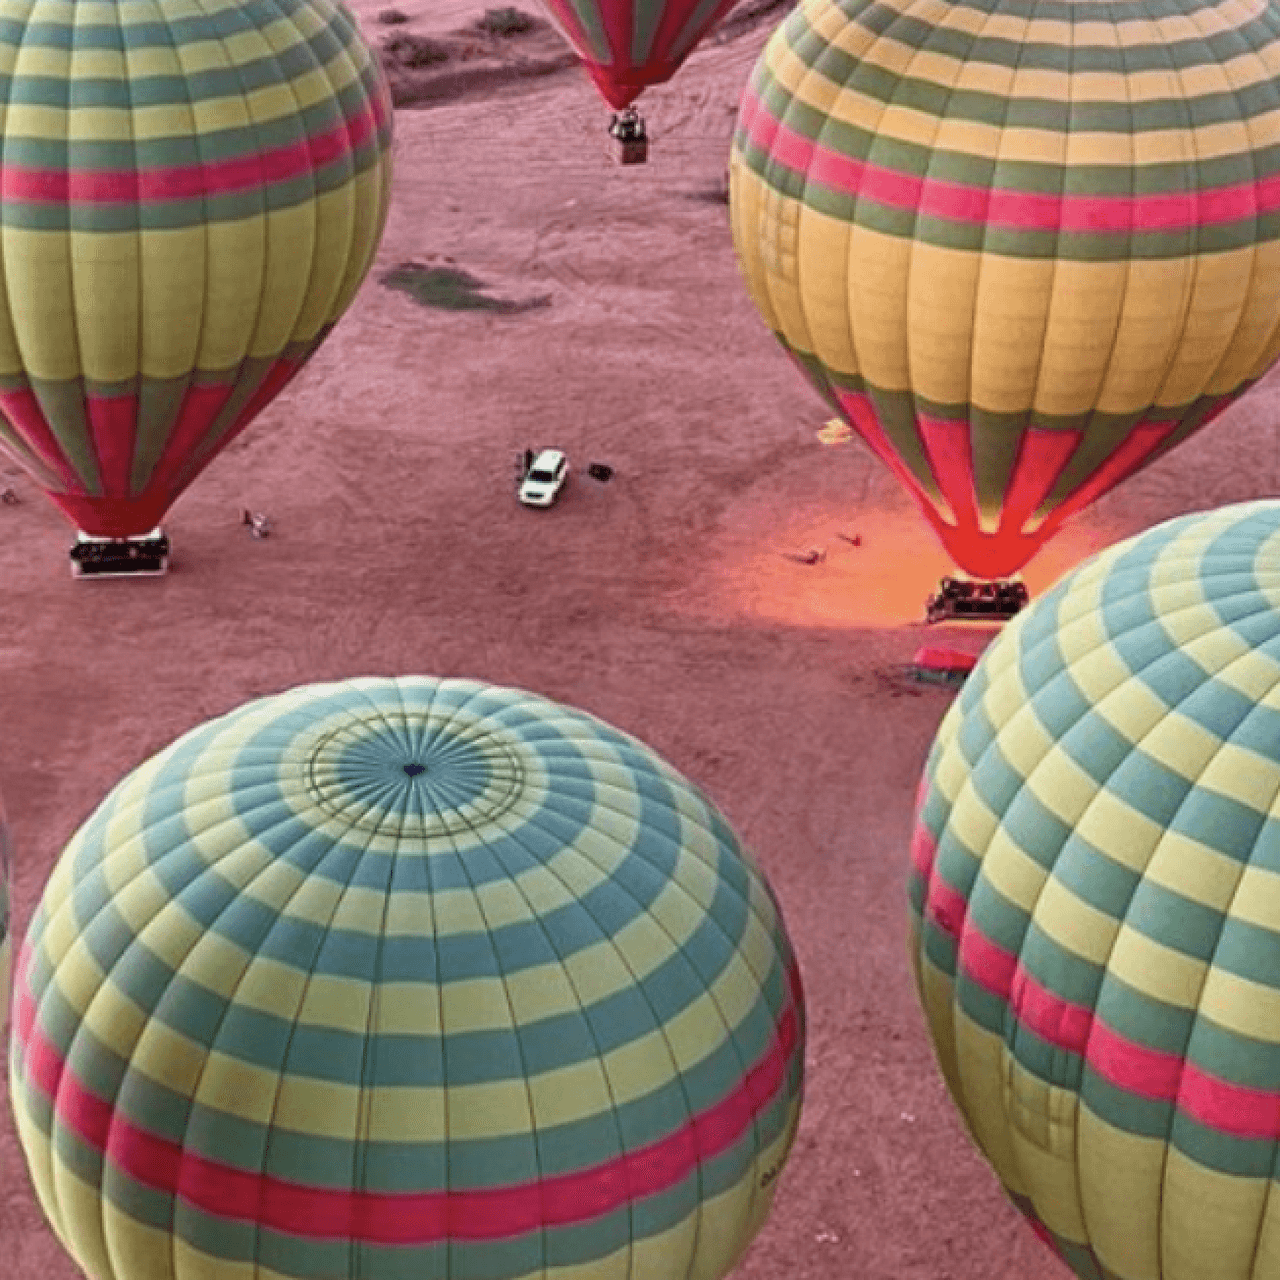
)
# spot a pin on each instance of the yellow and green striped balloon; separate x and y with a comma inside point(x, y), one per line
point(191, 192)
point(406, 977)
point(1024, 247)
point(1095, 904)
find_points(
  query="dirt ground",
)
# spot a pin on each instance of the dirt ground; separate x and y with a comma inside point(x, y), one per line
point(661, 601)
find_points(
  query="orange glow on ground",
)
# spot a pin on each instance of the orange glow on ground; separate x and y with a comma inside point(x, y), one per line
point(883, 583)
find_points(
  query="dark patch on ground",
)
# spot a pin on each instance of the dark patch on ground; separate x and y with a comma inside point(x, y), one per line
point(451, 289)
point(507, 22)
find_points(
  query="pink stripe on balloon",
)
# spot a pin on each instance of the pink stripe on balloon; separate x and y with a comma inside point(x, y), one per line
point(924, 849)
point(1042, 455)
point(404, 1219)
point(948, 448)
point(1017, 210)
point(112, 421)
point(26, 417)
point(187, 182)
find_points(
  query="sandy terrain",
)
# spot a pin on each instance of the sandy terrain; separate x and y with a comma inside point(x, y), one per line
point(661, 601)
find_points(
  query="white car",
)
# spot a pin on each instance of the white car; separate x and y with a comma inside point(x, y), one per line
point(545, 478)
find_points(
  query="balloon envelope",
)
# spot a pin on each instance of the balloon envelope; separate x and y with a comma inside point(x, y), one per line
point(627, 45)
point(406, 977)
point(1095, 903)
point(189, 199)
point(1024, 250)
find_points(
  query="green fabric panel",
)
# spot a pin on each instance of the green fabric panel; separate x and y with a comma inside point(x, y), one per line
point(159, 404)
point(646, 14)
point(63, 406)
point(994, 455)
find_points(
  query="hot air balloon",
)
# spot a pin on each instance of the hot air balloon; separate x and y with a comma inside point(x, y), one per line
point(1095, 903)
point(406, 976)
point(628, 45)
point(1024, 251)
point(190, 198)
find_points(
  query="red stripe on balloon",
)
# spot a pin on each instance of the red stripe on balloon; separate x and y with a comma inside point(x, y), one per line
point(1017, 210)
point(201, 404)
point(187, 182)
point(1042, 455)
point(924, 849)
point(1124, 459)
point(112, 424)
point(402, 1219)
point(1237, 1110)
point(26, 417)
point(949, 450)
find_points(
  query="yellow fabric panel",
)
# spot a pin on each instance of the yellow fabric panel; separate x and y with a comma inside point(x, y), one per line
point(568, 1093)
point(878, 264)
point(1210, 1221)
point(334, 246)
point(689, 1034)
point(1195, 871)
point(1061, 785)
point(1133, 711)
point(1155, 310)
point(81, 1217)
point(39, 1156)
point(1180, 744)
point(1120, 1194)
point(407, 1114)
point(1239, 1004)
point(136, 1250)
point(659, 1255)
point(1257, 898)
point(1076, 926)
point(1012, 313)
point(1085, 307)
point(746, 198)
point(1052, 1181)
point(190, 1263)
point(824, 285)
point(1026, 742)
point(1243, 775)
point(1014, 874)
point(1096, 669)
point(496, 1109)
point(981, 1059)
point(369, 190)
point(220, 1082)
point(1218, 299)
point(173, 269)
point(1159, 972)
point(37, 269)
point(721, 1240)
point(940, 319)
point(232, 298)
point(1120, 831)
point(972, 821)
point(1257, 338)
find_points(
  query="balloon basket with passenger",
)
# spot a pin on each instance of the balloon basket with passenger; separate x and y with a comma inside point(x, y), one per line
point(963, 599)
point(628, 138)
point(146, 556)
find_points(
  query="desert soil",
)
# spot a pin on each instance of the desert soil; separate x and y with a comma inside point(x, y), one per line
point(663, 600)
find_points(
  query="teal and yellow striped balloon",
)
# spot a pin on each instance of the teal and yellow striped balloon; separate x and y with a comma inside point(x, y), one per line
point(1024, 247)
point(406, 977)
point(1095, 895)
point(191, 193)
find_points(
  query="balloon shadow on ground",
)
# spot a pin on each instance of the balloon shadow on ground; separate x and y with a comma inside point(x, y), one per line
point(453, 290)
